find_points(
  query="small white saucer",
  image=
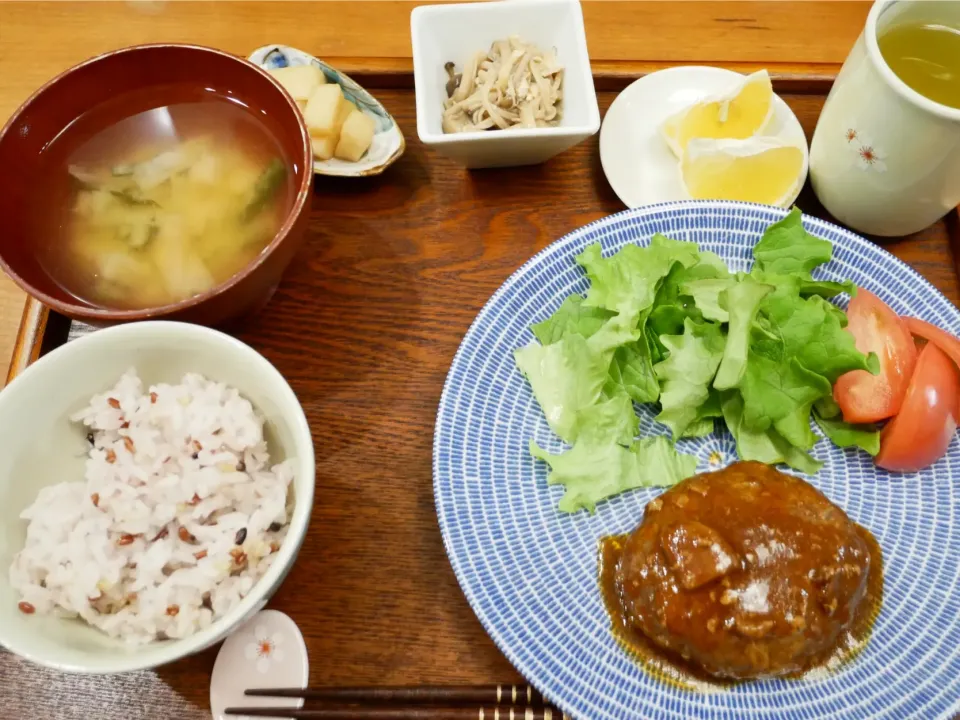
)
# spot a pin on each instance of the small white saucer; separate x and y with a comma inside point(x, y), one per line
point(266, 652)
point(636, 160)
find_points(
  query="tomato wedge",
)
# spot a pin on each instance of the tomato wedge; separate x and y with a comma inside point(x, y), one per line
point(950, 344)
point(927, 332)
point(921, 432)
point(863, 397)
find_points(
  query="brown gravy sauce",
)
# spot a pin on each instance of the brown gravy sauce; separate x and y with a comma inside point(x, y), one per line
point(670, 668)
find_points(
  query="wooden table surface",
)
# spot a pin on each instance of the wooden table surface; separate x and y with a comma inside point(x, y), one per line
point(364, 327)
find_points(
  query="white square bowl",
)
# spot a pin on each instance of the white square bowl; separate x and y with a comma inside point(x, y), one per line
point(445, 33)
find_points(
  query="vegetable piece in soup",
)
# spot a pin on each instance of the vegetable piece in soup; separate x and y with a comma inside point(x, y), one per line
point(164, 204)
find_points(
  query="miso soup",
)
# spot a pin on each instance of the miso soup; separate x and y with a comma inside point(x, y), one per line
point(150, 207)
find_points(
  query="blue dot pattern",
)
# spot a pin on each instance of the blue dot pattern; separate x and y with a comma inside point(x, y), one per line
point(529, 572)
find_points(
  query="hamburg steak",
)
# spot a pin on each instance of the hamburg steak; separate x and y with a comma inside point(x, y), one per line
point(744, 573)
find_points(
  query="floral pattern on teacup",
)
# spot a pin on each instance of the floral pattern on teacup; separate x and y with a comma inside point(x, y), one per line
point(265, 649)
point(868, 155)
point(871, 158)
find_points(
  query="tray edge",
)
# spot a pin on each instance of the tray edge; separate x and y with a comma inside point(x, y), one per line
point(30, 335)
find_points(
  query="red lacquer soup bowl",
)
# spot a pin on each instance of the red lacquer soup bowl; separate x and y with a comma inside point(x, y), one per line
point(110, 89)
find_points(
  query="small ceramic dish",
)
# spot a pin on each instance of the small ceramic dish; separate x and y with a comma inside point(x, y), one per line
point(388, 143)
point(268, 651)
point(636, 160)
point(451, 32)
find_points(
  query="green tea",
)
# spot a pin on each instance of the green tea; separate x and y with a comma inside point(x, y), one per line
point(926, 56)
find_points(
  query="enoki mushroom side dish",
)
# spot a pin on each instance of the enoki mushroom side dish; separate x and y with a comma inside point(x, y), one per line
point(513, 85)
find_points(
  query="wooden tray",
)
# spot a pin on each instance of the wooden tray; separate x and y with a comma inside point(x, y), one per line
point(364, 327)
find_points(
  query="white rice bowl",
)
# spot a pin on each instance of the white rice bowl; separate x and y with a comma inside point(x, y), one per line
point(43, 448)
point(179, 515)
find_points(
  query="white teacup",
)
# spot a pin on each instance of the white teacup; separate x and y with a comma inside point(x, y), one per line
point(885, 160)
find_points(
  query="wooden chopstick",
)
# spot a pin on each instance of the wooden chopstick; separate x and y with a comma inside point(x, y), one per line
point(423, 702)
point(423, 694)
point(411, 713)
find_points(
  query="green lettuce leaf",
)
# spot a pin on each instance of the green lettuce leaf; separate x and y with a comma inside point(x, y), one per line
point(627, 282)
point(669, 322)
point(810, 330)
point(567, 377)
point(594, 470)
point(617, 331)
point(706, 294)
point(706, 415)
point(774, 390)
point(609, 419)
point(743, 302)
point(673, 305)
point(827, 289)
point(795, 427)
point(631, 368)
point(572, 317)
point(794, 456)
point(786, 248)
point(842, 434)
point(711, 265)
point(766, 446)
point(797, 284)
point(657, 351)
point(827, 408)
point(631, 373)
point(798, 349)
point(712, 407)
point(751, 444)
point(686, 373)
point(701, 427)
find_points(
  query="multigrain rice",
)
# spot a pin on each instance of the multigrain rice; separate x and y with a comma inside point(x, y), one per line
point(179, 514)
